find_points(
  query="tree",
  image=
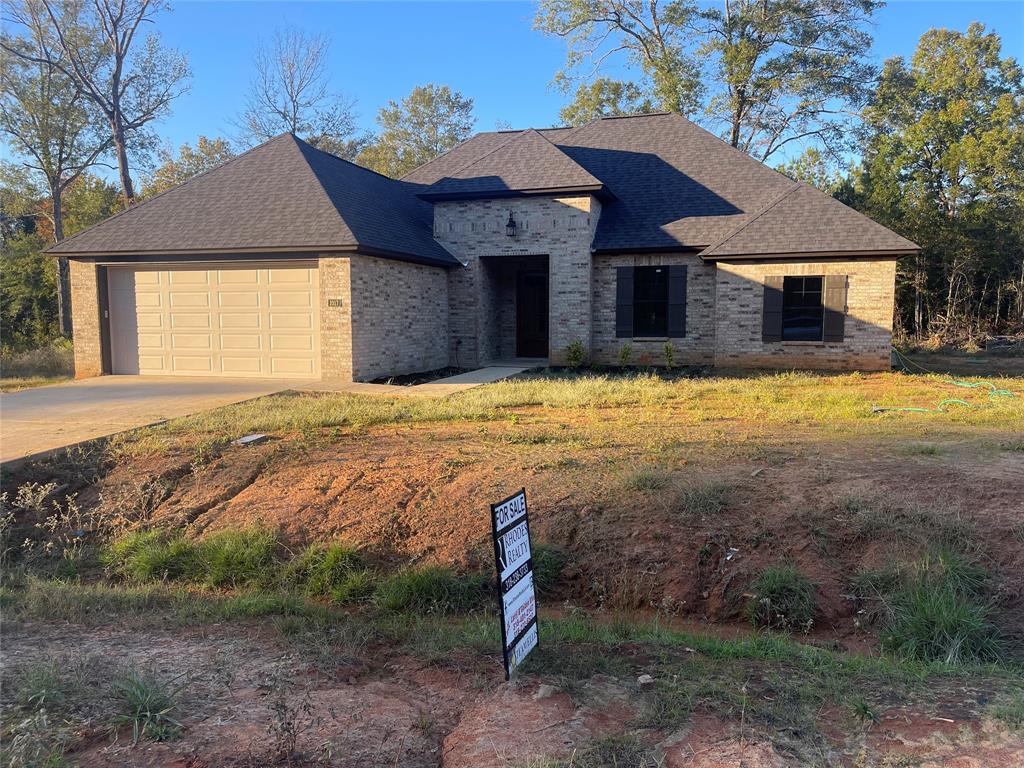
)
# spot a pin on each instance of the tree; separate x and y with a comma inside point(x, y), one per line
point(131, 86)
point(653, 38)
point(430, 120)
point(51, 126)
point(769, 72)
point(814, 168)
point(290, 93)
point(944, 164)
point(207, 154)
point(604, 98)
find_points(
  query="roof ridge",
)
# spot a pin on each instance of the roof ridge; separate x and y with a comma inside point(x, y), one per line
point(300, 144)
point(725, 143)
point(171, 189)
point(452, 149)
point(465, 165)
point(778, 199)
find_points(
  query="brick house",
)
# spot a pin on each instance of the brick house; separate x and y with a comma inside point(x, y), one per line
point(644, 233)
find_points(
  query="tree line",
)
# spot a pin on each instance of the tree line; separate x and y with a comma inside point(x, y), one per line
point(932, 147)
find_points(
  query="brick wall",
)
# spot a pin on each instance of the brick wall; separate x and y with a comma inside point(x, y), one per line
point(868, 330)
point(561, 228)
point(399, 317)
point(85, 320)
point(335, 322)
point(696, 348)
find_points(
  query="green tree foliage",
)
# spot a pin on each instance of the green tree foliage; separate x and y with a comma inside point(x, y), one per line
point(812, 167)
point(28, 293)
point(943, 164)
point(604, 98)
point(430, 120)
point(191, 161)
point(769, 72)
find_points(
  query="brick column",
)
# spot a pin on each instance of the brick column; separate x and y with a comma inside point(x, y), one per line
point(335, 322)
point(85, 320)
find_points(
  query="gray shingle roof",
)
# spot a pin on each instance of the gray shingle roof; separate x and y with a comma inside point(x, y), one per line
point(282, 195)
point(805, 220)
point(524, 162)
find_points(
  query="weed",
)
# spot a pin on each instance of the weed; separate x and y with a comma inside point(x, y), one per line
point(647, 480)
point(666, 706)
point(670, 356)
point(704, 499)
point(35, 742)
point(430, 590)
point(322, 569)
point(782, 598)
point(154, 556)
point(940, 612)
point(39, 686)
point(609, 752)
point(293, 715)
point(863, 711)
point(625, 354)
point(355, 587)
point(146, 702)
point(1010, 709)
point(237, 558)
point(922, 449)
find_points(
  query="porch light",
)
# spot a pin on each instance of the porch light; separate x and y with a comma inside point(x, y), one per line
point(510, 226)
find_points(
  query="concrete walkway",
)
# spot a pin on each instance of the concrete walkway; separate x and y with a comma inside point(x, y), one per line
point(439, 388)
point(36, 421)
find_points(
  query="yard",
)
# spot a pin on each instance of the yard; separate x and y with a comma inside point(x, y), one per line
point(806, 579)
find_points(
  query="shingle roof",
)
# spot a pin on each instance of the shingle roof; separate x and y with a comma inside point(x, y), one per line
point(805, 220)
point(524, 162)
point(282, 195)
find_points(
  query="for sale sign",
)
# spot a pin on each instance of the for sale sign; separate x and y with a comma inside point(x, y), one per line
point(511, 526)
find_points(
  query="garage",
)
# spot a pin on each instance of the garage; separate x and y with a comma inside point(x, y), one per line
point(215, 320)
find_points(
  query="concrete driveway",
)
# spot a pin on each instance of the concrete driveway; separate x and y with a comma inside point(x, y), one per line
point(34, 421)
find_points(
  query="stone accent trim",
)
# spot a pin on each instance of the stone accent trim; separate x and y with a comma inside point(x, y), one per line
point(85, 319)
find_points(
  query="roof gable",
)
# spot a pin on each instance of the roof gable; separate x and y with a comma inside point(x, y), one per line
point(804, 219)
point(283, 195)
point(524, 162)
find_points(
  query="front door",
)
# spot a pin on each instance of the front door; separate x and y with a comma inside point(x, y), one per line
point(532, 314)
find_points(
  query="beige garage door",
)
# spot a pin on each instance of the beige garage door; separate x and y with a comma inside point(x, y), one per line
point(213, 320)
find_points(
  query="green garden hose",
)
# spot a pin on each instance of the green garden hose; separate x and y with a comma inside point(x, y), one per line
point(908, 364)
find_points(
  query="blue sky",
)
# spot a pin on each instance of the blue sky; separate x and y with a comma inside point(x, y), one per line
point(486, 50)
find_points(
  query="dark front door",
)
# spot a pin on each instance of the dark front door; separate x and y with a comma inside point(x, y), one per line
point(532, 314)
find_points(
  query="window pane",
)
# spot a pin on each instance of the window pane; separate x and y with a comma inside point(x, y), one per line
point(650, 301)
point(802, 309)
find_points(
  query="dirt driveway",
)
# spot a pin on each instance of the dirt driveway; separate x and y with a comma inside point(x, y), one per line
point(34, 421)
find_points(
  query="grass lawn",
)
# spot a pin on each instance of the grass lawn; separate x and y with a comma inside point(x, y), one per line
point(15, 383)
point(807, 580)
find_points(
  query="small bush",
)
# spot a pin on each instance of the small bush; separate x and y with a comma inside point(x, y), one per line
point(670, 356)
point(146, 703)
point(430, 590)
point(320, 570)
point(575, 354)
point(782, 598)
point(625, 354)
point(240, 558)
point(56, 359)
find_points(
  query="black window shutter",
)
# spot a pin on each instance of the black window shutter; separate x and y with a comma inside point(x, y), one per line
point(834, 302)
point(676, 301)
point(771, 327)
point(623, 302)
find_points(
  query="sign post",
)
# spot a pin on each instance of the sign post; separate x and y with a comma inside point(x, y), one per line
point(510, 525)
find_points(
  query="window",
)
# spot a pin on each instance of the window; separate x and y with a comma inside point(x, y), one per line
point(650, 301)
point(802, 310)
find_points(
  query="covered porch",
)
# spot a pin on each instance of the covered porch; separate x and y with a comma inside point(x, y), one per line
point(516, 300)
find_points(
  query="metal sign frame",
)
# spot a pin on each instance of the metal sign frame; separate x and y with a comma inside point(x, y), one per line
point(523, 571)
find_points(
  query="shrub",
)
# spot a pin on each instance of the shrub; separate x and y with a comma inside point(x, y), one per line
point(940, 612)
point(55, 359)
point(575, 354)
point(146, 703)
point(319, 569)
point(625, 354)
point(670, 356)
point(430, 590)
point(782, 598)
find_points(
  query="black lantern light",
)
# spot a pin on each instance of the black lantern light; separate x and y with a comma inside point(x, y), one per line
point(510, 226)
